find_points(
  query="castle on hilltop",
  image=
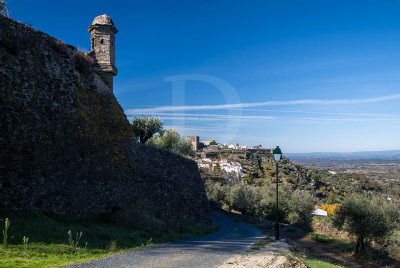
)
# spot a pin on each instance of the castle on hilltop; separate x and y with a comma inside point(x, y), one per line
point(213, 149)
point(102, 39)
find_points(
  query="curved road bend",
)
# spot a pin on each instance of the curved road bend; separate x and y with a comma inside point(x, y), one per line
point(206, 251)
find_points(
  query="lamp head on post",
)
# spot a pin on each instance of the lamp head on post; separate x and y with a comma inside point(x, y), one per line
point(277, 154)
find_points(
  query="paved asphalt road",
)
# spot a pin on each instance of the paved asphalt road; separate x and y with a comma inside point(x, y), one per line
point(206, 251)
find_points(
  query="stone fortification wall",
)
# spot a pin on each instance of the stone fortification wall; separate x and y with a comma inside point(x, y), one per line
point(66, 145)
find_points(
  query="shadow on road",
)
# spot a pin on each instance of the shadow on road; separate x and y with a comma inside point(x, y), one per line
point(206, 251)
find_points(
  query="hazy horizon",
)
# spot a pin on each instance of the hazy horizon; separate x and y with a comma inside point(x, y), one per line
point(348, 152)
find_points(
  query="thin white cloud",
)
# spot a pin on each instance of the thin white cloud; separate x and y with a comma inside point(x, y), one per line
point(203, 117)
point(187, 118)
point(191, 118)
point(265, 103)
point(349, 119)
point(322, 113)
point(195, 129)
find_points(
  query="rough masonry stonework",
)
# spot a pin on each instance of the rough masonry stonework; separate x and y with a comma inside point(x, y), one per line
point(66, 145)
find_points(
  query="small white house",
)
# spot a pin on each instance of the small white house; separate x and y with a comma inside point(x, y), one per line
point(320, 212)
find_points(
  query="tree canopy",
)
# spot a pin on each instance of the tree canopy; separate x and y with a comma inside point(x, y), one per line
point(212, 142)
point(260, 201)
point(146, 127)
point(367, 218)
point(171, 140)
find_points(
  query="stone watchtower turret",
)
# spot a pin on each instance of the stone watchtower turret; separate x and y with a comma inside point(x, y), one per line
point(102, 36)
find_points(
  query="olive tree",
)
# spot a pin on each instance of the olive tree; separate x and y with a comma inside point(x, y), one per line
point(239, 197)
point(367, 218)
point(217, 193)
point(297, 206)
point(171, 140)
point(146, 127)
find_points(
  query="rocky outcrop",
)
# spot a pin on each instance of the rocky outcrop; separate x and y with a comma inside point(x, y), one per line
point(66, 145)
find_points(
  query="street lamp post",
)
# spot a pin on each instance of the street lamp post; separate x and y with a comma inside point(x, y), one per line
point(277, 158)
point(229, 187)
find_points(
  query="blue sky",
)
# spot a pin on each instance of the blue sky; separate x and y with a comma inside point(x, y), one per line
point(305, 75)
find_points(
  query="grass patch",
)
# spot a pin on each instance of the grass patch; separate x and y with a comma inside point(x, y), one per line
point(49, 243)
point(333, 242)
point(316, 263)
point(260, 243)
point(296, 258)
point(320, 238)
point(44, 255)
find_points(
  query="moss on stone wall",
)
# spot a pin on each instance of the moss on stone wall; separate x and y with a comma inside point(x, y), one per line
point(66, 144)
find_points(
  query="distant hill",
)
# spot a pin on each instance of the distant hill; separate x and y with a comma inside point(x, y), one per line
point(365, 155)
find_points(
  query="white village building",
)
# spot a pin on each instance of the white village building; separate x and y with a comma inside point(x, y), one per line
point(224, 164)
point(320, 212)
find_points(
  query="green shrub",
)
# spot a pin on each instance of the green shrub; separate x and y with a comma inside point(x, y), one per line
point(171, 140)
point(73, 243)
point(293, 217)
point(216, 193)
point(239, 197)
point(146, 127)
point(264, 202)
point(367, 218)
point(260, 201)
point(393, 245)
point(300, 203)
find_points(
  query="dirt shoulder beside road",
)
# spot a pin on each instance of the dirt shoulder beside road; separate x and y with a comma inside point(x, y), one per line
point(269, 255)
